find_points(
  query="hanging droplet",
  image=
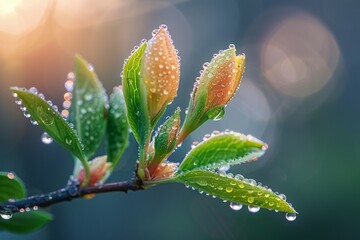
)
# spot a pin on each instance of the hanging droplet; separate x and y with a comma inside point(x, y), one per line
point(46, 139)
point(224, 168)
point(33, 90)
point(236, 206)
point(6, 214)
point(282, 196)
point(290, 216)
point(253, 209)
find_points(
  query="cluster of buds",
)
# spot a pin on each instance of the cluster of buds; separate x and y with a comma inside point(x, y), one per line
point(151, 79)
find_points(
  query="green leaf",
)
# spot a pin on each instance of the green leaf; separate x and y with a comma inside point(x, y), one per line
point(11, 187)
point(234, 190)
point(228, 148)
point(117, 126)
point(51, 122)
point(26, 222)
point(88, 106)
point(166, 139)
point(135, 98)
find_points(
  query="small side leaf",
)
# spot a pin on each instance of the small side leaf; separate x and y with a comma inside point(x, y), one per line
point(234, 190)
point(51, 122)
point(88, 105)
point(227, 148)
point(117, 127)
point(11, 187)
point(135, 97)
point(166, 139)
point(26, 222)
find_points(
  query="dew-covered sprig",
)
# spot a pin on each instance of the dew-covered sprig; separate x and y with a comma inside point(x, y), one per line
point(150, 82)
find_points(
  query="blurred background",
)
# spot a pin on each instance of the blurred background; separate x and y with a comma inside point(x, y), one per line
point(299, 94)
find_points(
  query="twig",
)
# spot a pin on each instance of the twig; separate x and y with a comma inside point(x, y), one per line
point(71, 191)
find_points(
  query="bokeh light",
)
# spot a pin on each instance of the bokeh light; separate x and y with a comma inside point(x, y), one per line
point(299, 55)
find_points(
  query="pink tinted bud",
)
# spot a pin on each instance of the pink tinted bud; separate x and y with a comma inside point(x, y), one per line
point(221, 78)
point(160, 71)
point(98, 169)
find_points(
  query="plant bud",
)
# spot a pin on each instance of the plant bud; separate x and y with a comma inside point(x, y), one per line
point(98, 169)
point(213, 90)
point(160, 72)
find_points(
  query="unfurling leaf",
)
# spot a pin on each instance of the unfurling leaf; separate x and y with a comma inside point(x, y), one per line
point(117, 127)
point(166, 139)
point(88, 105)
point(228, 148)
point(135, 97)
point(234, 190)
point(51, 122)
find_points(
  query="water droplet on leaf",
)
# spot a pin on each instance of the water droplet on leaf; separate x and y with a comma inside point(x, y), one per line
point(253, 209)
point(290, 216)
point(216, 113)
point(46, 139)
point(236, 206)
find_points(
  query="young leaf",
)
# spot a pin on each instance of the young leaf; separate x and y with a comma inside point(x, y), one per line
point(11, 187)
point(227, 148)
point(88, 105)
point(51, 122)
point(234, 190)
point(26, 222)
point(135, 97)
point(166, 139)
point(117, 126)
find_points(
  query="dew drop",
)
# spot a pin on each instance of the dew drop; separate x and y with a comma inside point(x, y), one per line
point(33, 90)
point(33, 122)
point(46, 139)
point(239, 177)
point(236, 206)
point(224, 168)
point(231, 46)
point(90, 67)
point(253, 209)
point(163, 26)
point(88, 97)
point(6, 214)
point(26, 114)
point(18, 101)
point(45, 117)
point(216, 113)
point(68, 140)
point(250, 199)
point(282, 196)
point(290, 216)
point(228, 189)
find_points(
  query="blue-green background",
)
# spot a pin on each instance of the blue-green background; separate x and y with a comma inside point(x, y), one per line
point(314, 139)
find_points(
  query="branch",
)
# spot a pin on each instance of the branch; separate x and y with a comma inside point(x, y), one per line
point(71, 191)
